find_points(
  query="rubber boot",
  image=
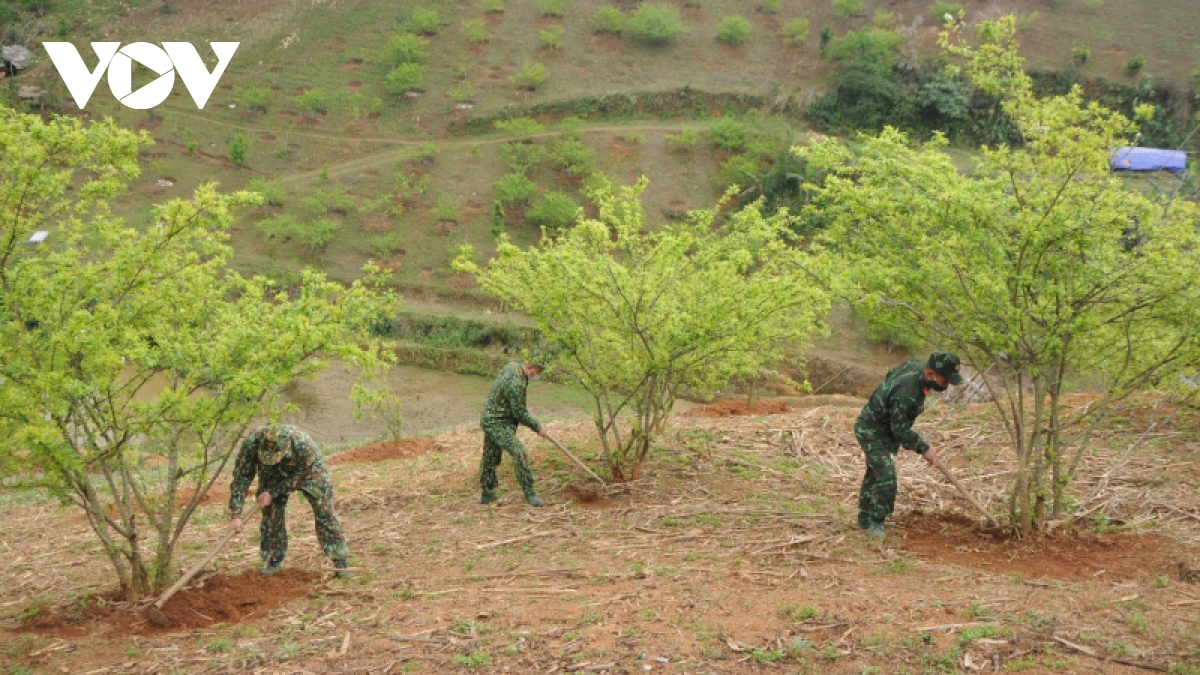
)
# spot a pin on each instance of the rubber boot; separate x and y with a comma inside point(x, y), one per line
point(341, 566)
point(875, 531)
point(271, 568)
point(489, 497)
point(864, 520)
point(533, 499)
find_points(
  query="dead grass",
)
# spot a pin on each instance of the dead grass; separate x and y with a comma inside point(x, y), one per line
point(736, 551)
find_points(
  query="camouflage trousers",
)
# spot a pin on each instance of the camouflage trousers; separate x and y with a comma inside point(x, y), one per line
point(877, 497)
point(273, 528)
point(497, 440)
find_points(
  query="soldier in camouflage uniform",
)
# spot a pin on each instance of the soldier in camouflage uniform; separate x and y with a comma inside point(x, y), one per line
point(885, 424)
point(286, 459)
point(504, 411)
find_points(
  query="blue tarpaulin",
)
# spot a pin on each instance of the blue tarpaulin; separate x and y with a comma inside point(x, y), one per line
point(1148, 159)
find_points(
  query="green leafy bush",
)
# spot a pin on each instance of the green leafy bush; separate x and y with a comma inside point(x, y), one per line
point(386, 244)
point(556, 8)
point(608, 19)
point(277, 228)
point(1136, 64)
point(322, 202)
point(316, 235)
point(551, 38)
point(425, 21)
point(406, 77)
point(255, 98)
point(737, 170)
point(514, 188)
point(461, 91)
point(847, 8)
point(573, 157)
point(655, 23)
point(475, 31)
point(404, 48)
point(554, 210)
point(272, 191)
point(312, 101)
point(531, 77)
point(771, 6)
point(238, 147)
point(733, 29)
point(518, 126)
point(883, 19)
point(1081, 55)
point(795, 31)
point(683, 141)
point(493, 6)
point(522, 157)
point(729, 134)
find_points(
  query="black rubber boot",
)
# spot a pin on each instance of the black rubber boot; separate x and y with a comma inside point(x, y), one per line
point(533, 499)
point(489, 497)
point(271, 568)
point(341, 566)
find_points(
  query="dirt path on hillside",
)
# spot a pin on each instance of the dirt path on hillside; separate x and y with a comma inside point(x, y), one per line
point(376, 159)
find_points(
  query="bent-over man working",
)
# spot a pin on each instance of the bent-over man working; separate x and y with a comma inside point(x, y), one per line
point(885, 424)
point(504, 411)
point(286, 459)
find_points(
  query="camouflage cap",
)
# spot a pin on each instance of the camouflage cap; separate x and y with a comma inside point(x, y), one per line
point(271, 446)
point(946, 364)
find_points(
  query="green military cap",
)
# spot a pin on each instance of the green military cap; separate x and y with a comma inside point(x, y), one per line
point(272, 445)
point(946, 364)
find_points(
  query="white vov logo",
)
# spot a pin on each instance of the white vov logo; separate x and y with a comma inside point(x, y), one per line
point(179, 57)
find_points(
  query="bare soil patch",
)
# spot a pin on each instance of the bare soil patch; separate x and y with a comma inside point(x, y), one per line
point(1059, 554)
point(354, 86)
point(738, 407)
point(606, 43)
point(385, 450)
point(352, 65)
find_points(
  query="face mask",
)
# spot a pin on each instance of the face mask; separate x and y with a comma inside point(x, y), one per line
point(932, 384)
point(535, 378)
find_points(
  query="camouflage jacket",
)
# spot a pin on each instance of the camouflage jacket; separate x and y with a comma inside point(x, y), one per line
point(894, 406)
point(506, 402)
point(301, 461)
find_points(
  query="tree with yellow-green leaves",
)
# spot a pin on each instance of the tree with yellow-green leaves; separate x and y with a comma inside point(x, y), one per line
point(134, 359)
point(1040, 267)
point(638, 317)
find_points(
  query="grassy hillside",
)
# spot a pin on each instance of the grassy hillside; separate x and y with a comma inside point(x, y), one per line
point(365, 172)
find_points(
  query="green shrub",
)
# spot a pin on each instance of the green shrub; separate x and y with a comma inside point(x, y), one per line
point(425, 21)
point(255, 98)
point(795, 31)
point(883, 19)
point(1081, 55)
point(315, 236)
point(444, 208)
point(404, 48)
point(556, 8)
point(277, 228)
point(655, 23)
point(608, 19)
point(826, 34)
point(735, 169)
point(847, 8)
point(514, 188)
point(518, 126)
point(271, 191)
point(729, 134)
point(771, 6)
point(572, 157)
point(475, 31)
point(312, 101)
point(322, 202)
point(238, 147)
point(461, 91)
point(941, 9)
point(683, 141)
point(733, 29)
point(551, 37)
point(554, 210)
point(531, 77)
point(1135, 65)
point(406, 77)
point(522, 157)
point(473, 660)
point(494, 6)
